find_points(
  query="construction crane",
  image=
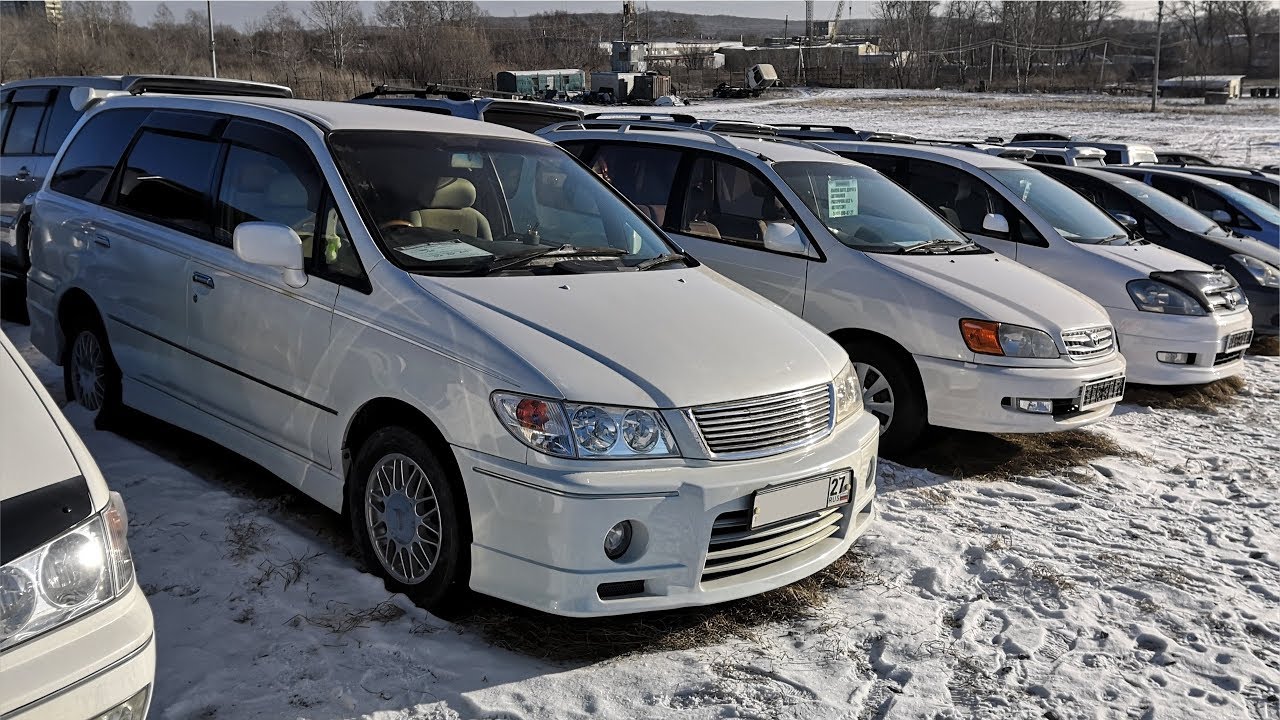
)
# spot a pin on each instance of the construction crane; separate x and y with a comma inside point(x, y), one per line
point(835, 22)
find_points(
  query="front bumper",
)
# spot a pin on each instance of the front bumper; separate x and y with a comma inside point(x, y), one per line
point(971, 396)
point(1143, 334)
point(537, 539)
point(83, 668)
point(1264, 304)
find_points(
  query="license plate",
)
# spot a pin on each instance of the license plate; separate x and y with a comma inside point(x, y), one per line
point(783, 502)
point(1237, 340)
point(1100, 392)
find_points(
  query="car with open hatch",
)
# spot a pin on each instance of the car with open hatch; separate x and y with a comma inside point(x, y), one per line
point(459, 336)
point(1177, 320)
point(941, 331)
point(77, 639)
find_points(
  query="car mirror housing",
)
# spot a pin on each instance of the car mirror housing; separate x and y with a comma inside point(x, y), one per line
point(995, 223)
point(1126, 220)
point(274, 245)
point(1220, 216)
point(784, 237)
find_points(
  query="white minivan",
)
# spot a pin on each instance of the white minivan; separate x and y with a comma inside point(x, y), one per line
point(1178, 320)
point(457, 335)
point(76, 632)
point(941, 331)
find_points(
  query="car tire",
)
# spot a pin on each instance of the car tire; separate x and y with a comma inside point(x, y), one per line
point(90, 375)
point(892, 392)
point(399, 499)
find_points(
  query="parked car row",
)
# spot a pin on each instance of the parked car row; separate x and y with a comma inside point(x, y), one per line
point(629, 363)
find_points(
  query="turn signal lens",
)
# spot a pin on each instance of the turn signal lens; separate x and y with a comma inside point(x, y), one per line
point(982, 336)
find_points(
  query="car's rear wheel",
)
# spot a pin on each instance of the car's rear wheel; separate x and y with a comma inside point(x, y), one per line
point(890, 392)
point(90, 376)
point(405, 517)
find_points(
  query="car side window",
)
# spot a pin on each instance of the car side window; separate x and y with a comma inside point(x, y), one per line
point(168, 179)
point(965, 200)
point(335, 256)
point(1050, 159)
point(1178, 188)
point(86, 166)
point(890, 166)
point(27, 107)
point(275, 187)
point(730, 202)
point(62, 117)
point(644, 175)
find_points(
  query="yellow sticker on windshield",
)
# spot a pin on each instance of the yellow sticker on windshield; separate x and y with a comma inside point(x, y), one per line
point(842, 197)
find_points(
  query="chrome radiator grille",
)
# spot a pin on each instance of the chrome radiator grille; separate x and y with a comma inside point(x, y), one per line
point(761, 426)
point(736, 548)
point(1088, 343)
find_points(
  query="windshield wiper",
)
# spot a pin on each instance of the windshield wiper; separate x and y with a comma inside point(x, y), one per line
point(1111, 239)
point(940, 242)
point(662, 259)
point(564, 251)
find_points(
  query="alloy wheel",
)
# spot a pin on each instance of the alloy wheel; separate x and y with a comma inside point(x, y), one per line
point(402, 515)
point(877, 394)
point(89, 371)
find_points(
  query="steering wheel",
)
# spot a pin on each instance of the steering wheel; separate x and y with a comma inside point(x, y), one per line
point(392, 224)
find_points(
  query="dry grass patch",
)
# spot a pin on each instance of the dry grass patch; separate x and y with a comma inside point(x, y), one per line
point(1207, 398)
point(1268, 346)
point(962, 454)
point(591, 639)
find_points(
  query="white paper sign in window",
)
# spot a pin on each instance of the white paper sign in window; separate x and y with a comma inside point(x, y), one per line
point(842, 197)
point(434, 251)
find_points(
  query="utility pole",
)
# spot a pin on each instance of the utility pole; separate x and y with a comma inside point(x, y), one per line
point(991, 64)
point(213, 52)
point(1103, 65)
point(1155, 70)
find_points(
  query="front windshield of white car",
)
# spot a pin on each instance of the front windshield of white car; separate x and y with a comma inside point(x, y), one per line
point(1075, 218)
point(475, 205)
point(1170, 208)
point(866, 211)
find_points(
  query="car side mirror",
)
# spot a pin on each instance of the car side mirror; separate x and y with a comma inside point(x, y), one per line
point(995, 223)
point(273, 245)
point(1128, 221)
point(784, 237)
point(1220, 216)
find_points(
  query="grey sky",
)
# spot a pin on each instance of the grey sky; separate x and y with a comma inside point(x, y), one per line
point(238, 12)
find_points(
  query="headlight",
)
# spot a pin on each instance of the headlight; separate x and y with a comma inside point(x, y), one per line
point(1155, 296)
point(74, 573)
point(993, 338)
point(1266, 274)
point(848, 394)
point(584, 430)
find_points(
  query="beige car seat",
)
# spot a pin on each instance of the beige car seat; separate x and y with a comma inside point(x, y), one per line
point(449, 208)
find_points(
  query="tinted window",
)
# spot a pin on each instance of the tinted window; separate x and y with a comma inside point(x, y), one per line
point(335, 255)
point(87, 165)
point(1071, 215)
point(1051, 159)
point(726, 201)
point(526, 120)
point(62, 117)
point(24, 126)
point(1113, 157)
point(960, 197)
point(167, 179)
point(1177, 187)
point(645, 175)
point(1268, 191)
point(261, 187)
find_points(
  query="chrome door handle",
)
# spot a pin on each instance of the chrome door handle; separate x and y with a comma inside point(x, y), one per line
point(102, 240)
point(203, 279)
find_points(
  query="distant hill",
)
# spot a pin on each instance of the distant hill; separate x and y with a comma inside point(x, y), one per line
point(666, 25)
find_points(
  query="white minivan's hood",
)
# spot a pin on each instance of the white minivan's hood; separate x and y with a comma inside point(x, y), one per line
point(34, 450)
point(1146, 258)
point(666, 338)
point(997, 288)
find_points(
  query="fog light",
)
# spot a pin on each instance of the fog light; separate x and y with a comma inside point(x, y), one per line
point(1176, 358)
point(135, 708)
point(617, 540)
point(1044, 407)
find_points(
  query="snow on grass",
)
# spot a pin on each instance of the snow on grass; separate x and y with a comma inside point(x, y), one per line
point(1244, 132)
point(1143, 586)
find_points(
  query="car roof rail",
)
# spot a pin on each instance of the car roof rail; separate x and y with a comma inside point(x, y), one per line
point(671, 118)
point(1197, 166)
point(189, 85)
point(738, 127)
point(625, 125)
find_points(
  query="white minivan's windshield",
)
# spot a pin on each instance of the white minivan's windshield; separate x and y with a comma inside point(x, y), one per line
point(1074, 218)
point(466, 204)
point(867, 211)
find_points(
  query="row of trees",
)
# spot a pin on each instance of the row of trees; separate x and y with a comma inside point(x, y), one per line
point(334, 48)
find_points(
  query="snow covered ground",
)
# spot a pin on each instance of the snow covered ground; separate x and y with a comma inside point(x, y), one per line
point(1244, 132)
point(1137, 587)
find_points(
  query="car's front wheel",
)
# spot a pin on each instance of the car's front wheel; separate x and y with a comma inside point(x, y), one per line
point(405, 517)
point(890, 392)
point(90, 376)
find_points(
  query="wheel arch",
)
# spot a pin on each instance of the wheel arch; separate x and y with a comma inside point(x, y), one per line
point(853, 336)
point(75, 304)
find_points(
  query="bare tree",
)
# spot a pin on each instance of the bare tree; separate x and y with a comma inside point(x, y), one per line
point(339, 22)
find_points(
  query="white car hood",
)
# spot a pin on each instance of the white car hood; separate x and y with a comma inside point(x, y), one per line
point(34, 450)
point(665, 338)
point(1146, 258)
point(997, 288)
